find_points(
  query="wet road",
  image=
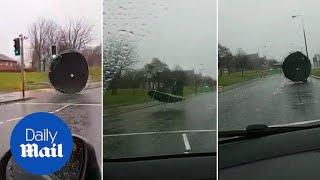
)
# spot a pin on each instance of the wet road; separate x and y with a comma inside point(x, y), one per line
point(82, 112)
point(183, 127)
point(272, 101)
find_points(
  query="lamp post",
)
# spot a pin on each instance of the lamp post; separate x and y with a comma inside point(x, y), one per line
point(304, 34)
point(264, 46)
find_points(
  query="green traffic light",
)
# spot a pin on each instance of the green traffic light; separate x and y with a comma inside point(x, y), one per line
point(16, 46)
point(16, 52)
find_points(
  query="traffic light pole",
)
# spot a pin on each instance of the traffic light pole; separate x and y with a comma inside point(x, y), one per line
point(305, 40)
point(22, 65)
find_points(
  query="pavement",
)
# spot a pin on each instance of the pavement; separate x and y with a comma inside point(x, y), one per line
point(82, 112)
point(184, 127)
point(12, 97)
point(9, 97)
point(272, 100)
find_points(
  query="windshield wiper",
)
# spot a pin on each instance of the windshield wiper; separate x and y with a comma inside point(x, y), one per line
point(258, 130)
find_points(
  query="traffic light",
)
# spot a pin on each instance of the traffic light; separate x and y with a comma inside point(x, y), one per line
point(17, 46)
point(53, 51)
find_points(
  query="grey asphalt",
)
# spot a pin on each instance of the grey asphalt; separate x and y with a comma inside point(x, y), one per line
point(82, 112)
point(273, 100)
point(177, 128)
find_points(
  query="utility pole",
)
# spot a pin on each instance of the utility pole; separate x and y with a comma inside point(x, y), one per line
point(22, 65)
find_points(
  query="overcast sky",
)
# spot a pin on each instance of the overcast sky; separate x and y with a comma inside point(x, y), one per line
point(252, 24)
point(16, 16)
point(178, 32)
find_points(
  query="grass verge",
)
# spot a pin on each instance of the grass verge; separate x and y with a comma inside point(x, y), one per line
point(237, 77)
point(315, 72)
point(95, 73)
point(125, 97)
point(11, 81)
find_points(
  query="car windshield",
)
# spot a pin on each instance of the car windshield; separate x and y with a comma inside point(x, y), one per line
point(268, 63)
point(159, 77)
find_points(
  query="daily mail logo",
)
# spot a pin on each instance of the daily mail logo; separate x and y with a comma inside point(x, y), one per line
point(33, 150)
point(41, 143)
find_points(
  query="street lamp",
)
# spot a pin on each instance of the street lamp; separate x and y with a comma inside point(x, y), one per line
point(264, 46)
point(304, 33)
point(201, 70)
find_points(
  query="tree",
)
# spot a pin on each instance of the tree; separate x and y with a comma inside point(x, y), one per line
point(119, 56)
point(156, 72)
point(242, 59)
point(42, 33)
point(93, 55)
point(75, 36)
point(224, 59)
point(177, 68)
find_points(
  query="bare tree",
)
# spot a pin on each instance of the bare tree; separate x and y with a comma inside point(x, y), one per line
point(242, 59)
point(119, 56)
point(75, 36)
point(42, 34)
point(224, 59)
point(93, 55)
point(155, 72)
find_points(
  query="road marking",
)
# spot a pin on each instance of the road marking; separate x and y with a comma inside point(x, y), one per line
point(212, 107)
point(14, 119)
point(52, 112)
point(186, 142)
point(85, 105)
point(65, 106)
point(71, 104)
point(158, 132)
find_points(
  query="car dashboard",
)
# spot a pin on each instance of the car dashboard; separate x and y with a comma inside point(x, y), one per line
point(189, 167)
point(293, 155)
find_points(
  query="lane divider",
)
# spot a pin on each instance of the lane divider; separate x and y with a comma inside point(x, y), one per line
point(159, 132)
point(65, 106)
point(9, 120)
point(186, 142)
point(52, 112)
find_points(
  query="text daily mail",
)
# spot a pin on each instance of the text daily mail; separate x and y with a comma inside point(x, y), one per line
point(32, 150)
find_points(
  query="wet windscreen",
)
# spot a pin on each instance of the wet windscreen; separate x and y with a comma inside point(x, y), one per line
point(70, 171)
point(268, 63)
point(159, 77)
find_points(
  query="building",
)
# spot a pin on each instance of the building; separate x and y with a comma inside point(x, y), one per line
point(253, 57)
point(7, 64)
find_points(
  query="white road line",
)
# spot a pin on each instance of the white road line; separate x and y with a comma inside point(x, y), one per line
point(57, 110)
point(212, 107)
point(65, 106)
point(85, 105)
point(186, 142)
point(158, 132)
point(14, 119)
